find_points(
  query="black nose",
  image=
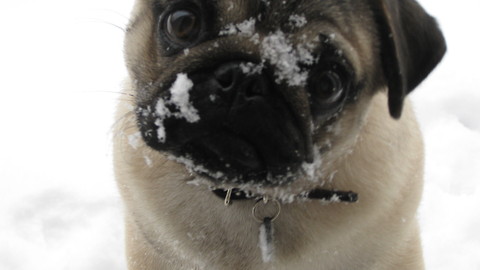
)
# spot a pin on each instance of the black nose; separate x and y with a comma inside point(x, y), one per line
point(238, 77)
point(259, 115)
point(246, 131)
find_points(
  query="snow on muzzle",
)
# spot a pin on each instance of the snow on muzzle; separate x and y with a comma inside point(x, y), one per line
point(229, 122)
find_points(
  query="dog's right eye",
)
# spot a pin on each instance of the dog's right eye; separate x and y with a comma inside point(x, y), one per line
point(182, 26)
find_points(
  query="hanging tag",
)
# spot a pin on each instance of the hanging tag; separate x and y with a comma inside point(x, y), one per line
point(266, 239)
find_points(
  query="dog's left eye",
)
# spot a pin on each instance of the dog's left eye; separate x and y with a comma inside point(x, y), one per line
point(327, 90)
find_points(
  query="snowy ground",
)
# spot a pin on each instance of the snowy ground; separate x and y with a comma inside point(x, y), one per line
point(61, 64)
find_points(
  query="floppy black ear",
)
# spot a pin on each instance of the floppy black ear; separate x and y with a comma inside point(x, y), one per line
point(411, 46)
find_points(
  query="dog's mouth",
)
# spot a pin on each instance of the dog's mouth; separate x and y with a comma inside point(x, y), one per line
point(229, 124)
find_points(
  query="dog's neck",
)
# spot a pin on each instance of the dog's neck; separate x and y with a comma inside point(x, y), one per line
point(266, 221)
point(324, 195)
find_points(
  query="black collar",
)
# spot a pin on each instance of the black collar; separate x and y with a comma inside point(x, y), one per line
point(316, 194)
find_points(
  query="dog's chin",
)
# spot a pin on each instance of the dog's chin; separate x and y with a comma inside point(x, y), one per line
point(230, 159)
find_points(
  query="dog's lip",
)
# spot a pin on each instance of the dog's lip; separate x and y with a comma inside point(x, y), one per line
point(235, 149)
point(240, 162)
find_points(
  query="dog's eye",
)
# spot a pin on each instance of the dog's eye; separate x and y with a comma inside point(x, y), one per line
point(326, 90)
point(182, 26)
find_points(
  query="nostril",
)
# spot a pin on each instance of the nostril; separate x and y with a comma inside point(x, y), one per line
point(227, 76)
point(231, 76)
point(225, 79)
point(256, 87)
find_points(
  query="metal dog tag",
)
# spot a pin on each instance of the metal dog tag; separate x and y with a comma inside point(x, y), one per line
point(266, 240)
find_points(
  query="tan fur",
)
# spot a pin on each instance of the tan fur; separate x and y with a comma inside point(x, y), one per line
point(174, 224)
point(192, 229)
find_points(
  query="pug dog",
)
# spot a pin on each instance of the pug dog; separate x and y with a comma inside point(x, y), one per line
point(267, 134)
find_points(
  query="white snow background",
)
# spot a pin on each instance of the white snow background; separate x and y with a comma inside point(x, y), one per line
point(61, 68)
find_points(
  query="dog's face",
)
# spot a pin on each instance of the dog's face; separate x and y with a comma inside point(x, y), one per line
point(259, 91)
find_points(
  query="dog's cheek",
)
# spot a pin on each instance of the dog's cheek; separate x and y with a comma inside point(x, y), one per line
point(140, 47)
point(339, 137)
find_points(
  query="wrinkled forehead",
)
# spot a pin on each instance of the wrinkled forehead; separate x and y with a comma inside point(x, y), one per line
point(349, 23)
point(273, 13)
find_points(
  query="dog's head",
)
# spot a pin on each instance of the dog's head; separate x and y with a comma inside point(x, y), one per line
point(255, 91)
